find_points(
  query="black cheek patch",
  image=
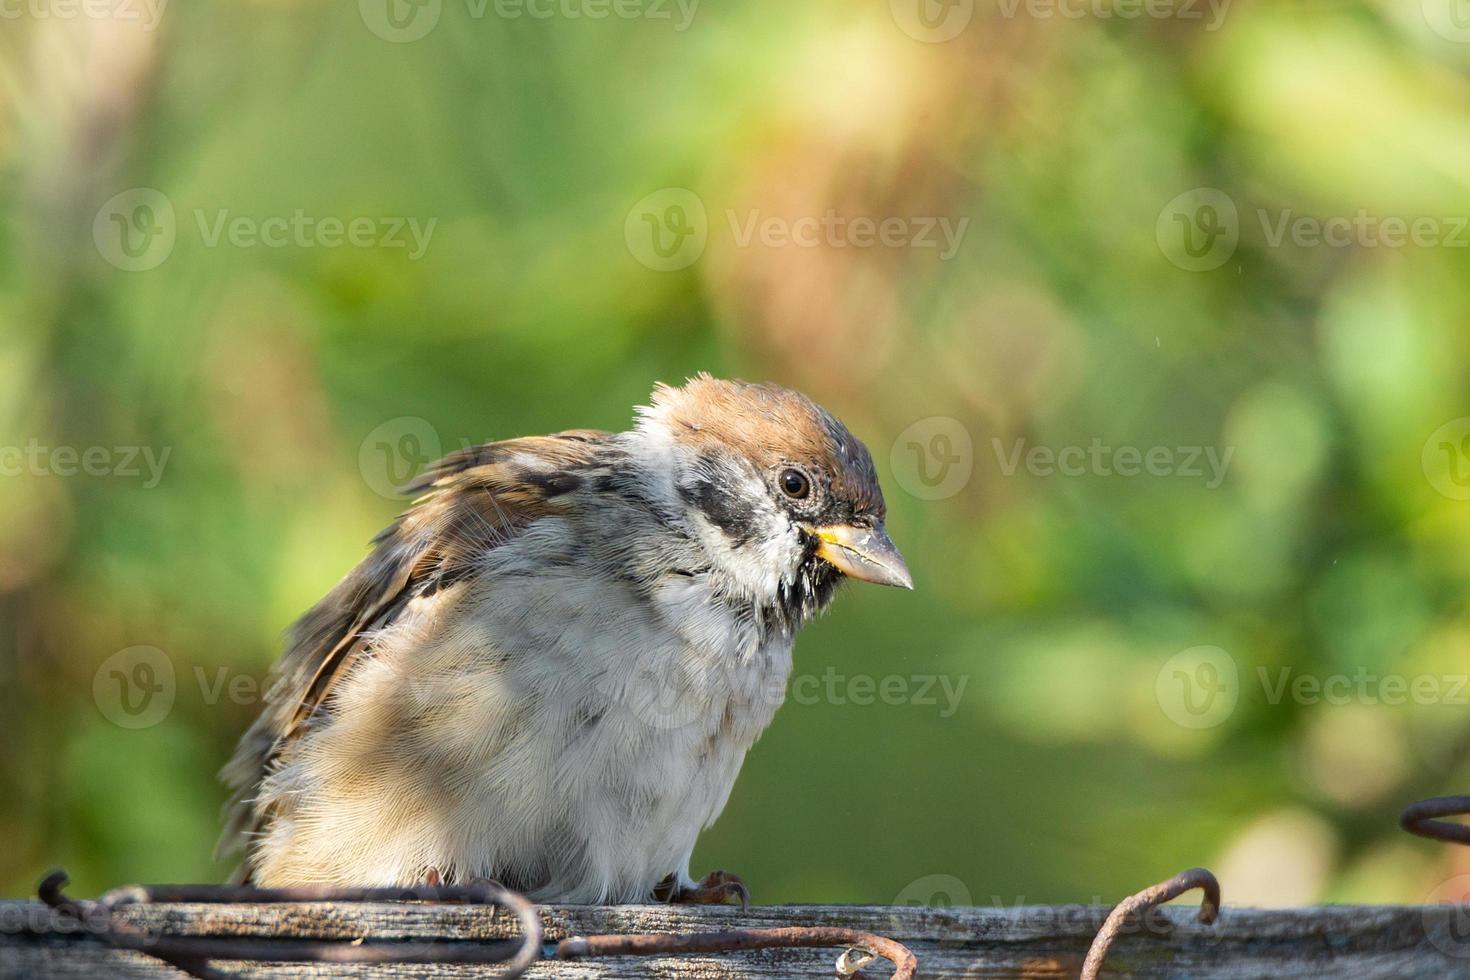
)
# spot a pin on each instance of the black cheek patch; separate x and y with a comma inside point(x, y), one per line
point(721, 506)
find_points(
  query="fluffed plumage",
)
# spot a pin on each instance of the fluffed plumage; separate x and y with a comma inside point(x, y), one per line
point(549, 671)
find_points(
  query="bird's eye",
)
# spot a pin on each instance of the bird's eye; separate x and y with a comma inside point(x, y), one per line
point(795, 484)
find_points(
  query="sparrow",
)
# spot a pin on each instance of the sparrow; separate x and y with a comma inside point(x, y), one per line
point(548, 671)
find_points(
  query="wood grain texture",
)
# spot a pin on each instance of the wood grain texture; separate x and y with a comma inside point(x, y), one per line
point(1349, 942)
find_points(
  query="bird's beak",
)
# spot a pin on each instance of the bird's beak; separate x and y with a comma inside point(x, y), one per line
point(865, 553)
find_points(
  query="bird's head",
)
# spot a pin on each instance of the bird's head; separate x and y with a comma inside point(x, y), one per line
point(784, 499)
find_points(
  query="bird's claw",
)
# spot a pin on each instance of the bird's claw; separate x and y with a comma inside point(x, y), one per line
point(717, 888)
point(433, 879)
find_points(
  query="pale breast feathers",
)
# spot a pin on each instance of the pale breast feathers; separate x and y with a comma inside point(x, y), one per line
point(473, 501)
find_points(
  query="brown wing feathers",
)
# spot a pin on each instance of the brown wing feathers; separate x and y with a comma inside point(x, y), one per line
point(473, 501)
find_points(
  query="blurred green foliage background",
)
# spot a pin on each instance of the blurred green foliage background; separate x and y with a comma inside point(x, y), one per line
point(1085, 302)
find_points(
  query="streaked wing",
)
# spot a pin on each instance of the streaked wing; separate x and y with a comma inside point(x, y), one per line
point(473, 501)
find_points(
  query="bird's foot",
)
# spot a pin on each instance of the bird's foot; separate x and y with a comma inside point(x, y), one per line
point(717, 888)
point(433, 879)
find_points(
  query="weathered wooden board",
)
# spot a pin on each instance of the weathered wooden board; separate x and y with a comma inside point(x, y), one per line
point(1352, 943)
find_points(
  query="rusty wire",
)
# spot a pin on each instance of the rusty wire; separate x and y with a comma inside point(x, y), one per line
point(192, 953)
point(1145, 900)
point(1420, 818)
point(668, 944)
